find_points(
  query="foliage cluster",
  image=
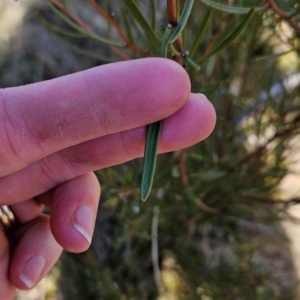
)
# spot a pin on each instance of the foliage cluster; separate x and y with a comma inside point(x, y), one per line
point(207, 230)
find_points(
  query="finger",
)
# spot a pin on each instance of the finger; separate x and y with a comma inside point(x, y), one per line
point(40, 119)
point(74, 206)
point(191, 124)
point(34, 255)
point(7, 290)
point(26, 211)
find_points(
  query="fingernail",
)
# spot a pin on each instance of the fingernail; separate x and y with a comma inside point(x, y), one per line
point(32, 271)
point(202, 95)
point(83, 221)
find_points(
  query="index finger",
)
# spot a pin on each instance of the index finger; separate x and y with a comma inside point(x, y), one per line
point(39, 119)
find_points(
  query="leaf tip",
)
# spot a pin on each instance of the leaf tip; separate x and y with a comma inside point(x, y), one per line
point(144, 195)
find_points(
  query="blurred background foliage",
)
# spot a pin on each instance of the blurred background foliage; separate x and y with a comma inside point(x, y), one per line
point(211, 227)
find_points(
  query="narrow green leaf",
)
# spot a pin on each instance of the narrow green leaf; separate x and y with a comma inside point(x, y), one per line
point(230, 27)
point(182, 21)
point(81, 30)
point(66, 20)
point(232, 37)
point(274, 55)
point(162, 28)
point(84, 52)
point(152, 139)
point(108, 23)
point(200, 33)
point(165, 44)
point(55, 29)
point(127, 26)
point(192, 63)
point(150, 155)
point(153, 14)
point(174, 51)
point(138, 16)
point(230, 9)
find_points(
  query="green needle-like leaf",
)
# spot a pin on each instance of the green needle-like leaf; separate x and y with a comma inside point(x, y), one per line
point(127, 26)
point(230, 9)
point(192, 63)
point(182, 21)
point(81, 30)
point(66, 20)
point(57, 30)
point(165, 43)
point(84, 52)
point(152, 139)
point(138, 16)
point(200, 33)
point(150, 155)
point(275, 55)
point(153, 14)
point(231, 38)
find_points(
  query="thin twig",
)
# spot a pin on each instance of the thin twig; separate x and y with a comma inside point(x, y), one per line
point(128, 193)
point(215, 37)
point(253, 198)
point(283, 15)
point(292, 201)
point(71, 16)
point(218, 32)
point(172, 12)
point(113, 21)
point(203, 206)
point(80, 23)
point(262, 149)
point(173, 20)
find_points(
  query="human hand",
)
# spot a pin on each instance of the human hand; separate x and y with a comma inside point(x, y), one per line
point(55, 133)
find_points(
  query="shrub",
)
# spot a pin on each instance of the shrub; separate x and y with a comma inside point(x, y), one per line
point(207, 230)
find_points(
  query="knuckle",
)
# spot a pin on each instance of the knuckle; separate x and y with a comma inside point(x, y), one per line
point(132, 144)
point(56, 170)
point(9, 150)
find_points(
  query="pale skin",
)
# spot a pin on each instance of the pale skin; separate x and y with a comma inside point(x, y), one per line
point(54, 134)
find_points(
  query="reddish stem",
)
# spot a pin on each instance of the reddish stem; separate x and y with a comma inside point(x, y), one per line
point(118, 28)
point(71, 16)
point(283, 15)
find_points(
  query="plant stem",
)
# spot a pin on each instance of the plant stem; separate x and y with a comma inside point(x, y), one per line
point(81, 24)
point(154, 130)
point(172, 6)
point(283, 15)
point(71, 16)
point(113, 21)
point(172, 12)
